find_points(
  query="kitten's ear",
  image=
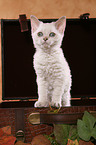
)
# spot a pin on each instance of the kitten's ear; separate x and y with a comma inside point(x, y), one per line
point(34, 23)
point(60, 24)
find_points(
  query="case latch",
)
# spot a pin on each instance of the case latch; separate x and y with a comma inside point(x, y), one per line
point(85, 16)
point(23, 23)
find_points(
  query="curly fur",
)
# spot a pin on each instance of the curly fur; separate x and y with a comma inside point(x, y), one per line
point(51, 67)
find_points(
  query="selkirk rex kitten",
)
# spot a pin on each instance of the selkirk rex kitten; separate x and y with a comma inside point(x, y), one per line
point(51, 67)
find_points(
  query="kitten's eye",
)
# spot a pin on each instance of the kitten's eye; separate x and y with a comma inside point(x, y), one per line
point(40, 34)
point(52, 34)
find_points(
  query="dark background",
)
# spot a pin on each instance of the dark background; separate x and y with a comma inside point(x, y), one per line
point(79, 46)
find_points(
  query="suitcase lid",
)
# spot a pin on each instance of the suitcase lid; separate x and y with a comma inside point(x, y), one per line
point(18, 75)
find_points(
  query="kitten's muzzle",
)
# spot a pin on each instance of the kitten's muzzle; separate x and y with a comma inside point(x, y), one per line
point(45, 38)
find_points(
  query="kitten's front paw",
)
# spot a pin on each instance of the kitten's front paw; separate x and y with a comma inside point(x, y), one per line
point(41, 104)
point(56, 104)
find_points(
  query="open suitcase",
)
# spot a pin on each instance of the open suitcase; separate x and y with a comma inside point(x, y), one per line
point(19, 79)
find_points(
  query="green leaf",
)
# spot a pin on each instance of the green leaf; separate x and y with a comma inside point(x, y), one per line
point(89, 120)
point(86, 127)
point(64, 132)
point(61, 132)
point(83, 131)
point(94, 132)
point(73, 134)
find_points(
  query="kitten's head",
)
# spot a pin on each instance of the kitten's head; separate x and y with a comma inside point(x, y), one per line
point(47, 35)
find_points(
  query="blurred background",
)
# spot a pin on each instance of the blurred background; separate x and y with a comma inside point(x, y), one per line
point(44, 9)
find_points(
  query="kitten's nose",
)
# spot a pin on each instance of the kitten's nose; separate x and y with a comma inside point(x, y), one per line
point(45, 38)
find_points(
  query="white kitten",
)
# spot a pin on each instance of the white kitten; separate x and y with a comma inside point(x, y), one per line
point(53, 73)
